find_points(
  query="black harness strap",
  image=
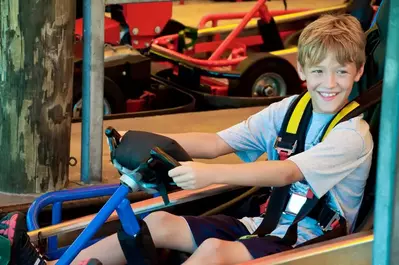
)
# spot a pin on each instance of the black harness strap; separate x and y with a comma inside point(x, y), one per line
point(279, 196)
point(290, 237)
point(332, 224)
point(366, 100)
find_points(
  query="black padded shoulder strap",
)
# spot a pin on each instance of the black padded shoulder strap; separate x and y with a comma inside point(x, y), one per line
point(292, 133)
point(280, 195)
point(356, 107)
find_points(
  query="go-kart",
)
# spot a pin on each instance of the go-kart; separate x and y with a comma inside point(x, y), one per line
point(245, 64)
point(129, 88)
point(147, 169)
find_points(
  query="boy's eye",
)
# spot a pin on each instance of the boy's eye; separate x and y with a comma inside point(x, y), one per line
point(342, 72)
point(317, 71)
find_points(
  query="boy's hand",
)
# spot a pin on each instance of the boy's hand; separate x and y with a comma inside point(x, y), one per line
point(192, 175)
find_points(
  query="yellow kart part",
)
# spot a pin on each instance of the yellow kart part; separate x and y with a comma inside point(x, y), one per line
point(278, 19)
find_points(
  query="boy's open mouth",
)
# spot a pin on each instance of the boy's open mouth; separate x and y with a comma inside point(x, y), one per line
point(327, 96)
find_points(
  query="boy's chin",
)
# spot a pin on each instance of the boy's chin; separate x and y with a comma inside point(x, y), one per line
point(327, 108)
point(331, 107)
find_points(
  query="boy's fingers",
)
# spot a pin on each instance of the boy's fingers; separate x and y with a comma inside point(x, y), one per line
point(182, 178)
point(177, 171)
point(186, 185)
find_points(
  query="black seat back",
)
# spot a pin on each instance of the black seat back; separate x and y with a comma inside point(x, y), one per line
point(373, 72)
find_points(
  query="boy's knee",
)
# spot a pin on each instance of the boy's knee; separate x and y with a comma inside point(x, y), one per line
point(157, 221)
point(211, 249)
point(159, 217)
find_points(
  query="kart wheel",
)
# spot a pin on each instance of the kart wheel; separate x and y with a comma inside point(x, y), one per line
point(114, 100)
point(265, 75)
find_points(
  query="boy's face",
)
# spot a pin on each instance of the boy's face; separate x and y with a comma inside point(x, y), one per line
point(330, 83)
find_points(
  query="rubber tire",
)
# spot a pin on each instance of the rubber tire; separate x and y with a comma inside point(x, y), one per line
point(112, 93)
point(257, 64)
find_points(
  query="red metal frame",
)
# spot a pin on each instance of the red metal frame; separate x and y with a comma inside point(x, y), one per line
point(111, 34)
point(261, 8)
point(167, 45)
point(142, 29)
point(140, 104)
point(215, 18)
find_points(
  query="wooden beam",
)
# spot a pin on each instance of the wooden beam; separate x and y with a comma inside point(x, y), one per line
point(36, 75)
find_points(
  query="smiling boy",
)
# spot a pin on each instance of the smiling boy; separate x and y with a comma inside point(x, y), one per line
point(331, 56)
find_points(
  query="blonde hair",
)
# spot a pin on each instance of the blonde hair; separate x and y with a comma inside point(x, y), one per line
point(340, 34)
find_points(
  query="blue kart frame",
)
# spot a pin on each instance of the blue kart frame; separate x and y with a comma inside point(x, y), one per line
point(130, 181)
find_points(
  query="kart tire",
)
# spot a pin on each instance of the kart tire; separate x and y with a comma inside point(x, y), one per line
point(264, 75)
point(113, 95)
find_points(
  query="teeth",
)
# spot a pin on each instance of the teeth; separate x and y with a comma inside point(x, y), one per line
point(328, 94)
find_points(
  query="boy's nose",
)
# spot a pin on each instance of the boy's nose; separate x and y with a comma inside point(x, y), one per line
point(331, 81)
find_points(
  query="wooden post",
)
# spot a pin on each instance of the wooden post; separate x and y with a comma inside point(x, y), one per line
point(36, 75)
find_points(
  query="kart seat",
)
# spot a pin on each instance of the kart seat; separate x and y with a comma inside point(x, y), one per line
point(373, 72)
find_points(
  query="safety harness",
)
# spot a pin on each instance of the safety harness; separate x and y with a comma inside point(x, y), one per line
point(291, 141)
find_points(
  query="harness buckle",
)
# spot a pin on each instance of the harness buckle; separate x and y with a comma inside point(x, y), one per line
point(295, 204)
point(332, 223)
point(287, 148)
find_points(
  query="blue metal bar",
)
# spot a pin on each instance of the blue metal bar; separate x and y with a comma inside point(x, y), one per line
point(128, 219)
point(55, 219)
point(386, 234)
point(62, 196)
point(93, 90)
point(94, 225)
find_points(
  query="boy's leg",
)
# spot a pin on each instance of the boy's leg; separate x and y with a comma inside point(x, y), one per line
point(171, 232)
point(215, 251)
point(163, 226)
point(167, 230)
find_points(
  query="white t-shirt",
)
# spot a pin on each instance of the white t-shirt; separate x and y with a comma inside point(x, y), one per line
point(338, 166)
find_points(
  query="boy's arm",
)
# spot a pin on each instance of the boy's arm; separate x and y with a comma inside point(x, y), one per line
point(323, 166)
point(246, 139)
point(261, 173)
point(195, 175)
point(202, 145)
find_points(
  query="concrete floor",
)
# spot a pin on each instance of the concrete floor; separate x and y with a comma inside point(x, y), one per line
point(189, 14)
point(210, 121)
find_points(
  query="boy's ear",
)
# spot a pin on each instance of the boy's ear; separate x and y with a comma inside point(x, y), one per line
point(359, 73)
point(300, 71)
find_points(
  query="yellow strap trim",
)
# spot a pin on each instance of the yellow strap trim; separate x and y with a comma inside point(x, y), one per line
point(297, 114)
point(293, 17)
point(351, 106)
